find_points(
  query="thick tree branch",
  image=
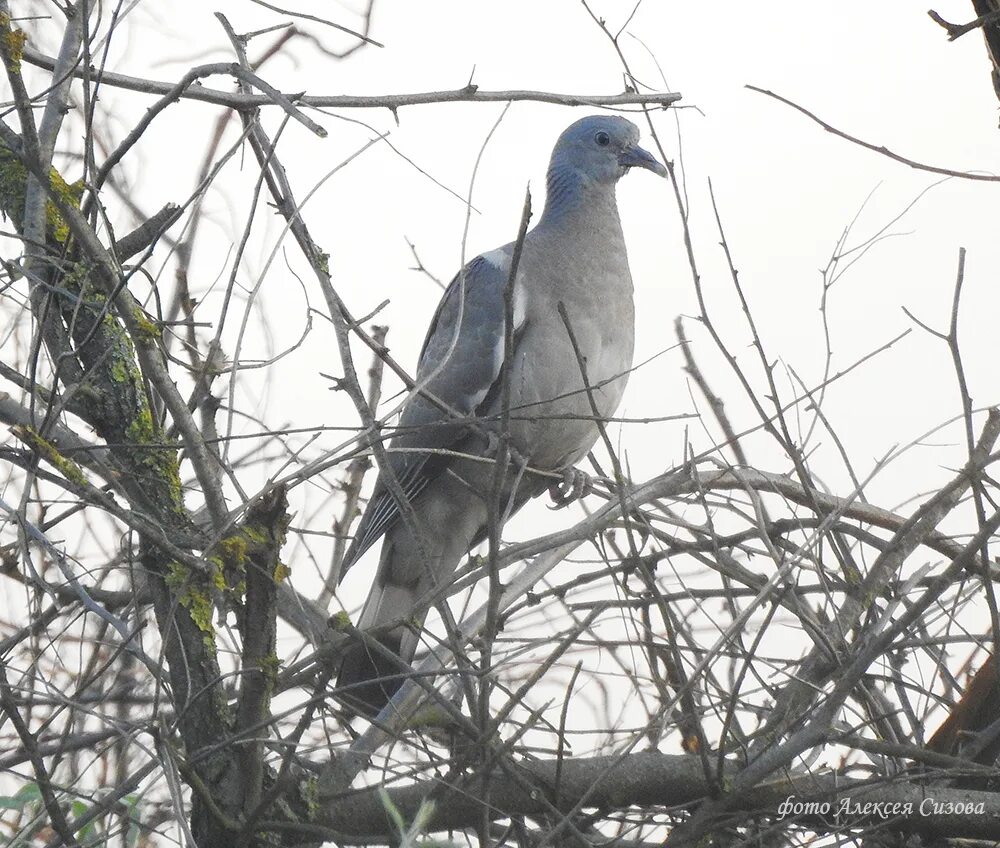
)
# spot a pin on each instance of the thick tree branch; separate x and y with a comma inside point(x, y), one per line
point(655, 781)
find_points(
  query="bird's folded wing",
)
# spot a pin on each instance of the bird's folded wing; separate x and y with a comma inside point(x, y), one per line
point(459, 371)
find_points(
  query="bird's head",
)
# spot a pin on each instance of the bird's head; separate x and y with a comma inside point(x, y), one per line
point(602, 148)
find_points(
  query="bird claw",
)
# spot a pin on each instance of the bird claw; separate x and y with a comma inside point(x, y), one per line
point(493, 449)
point(573, 486)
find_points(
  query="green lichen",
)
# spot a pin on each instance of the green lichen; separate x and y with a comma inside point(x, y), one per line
point(231, 554)
point(120, 372)
point(198, 603)
point(309, 793)
point(175, 575)
point(141, 429)
point(146, 328)
point(149, 454)
point(50, 453)
point(12, 42)
point(339, 621)
point(118, 359)
point(216, 574)
point(14, 178)
point(114, 392)
point(192, 593)
point(256, 534)
point(229, 558)
point(70, 194)
point(234, 548)
point(270, 665)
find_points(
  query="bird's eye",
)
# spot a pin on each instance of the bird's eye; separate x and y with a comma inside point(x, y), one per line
point(603, 139)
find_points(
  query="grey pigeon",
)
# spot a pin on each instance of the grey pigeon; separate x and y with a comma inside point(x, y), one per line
point(574, 256)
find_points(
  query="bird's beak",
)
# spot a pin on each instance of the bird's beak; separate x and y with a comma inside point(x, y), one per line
point(636, 157)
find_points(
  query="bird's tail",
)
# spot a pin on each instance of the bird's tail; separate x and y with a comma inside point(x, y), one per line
point(408, 570)
point(373, 670)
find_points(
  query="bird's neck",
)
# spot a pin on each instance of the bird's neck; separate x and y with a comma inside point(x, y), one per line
point(572, 196)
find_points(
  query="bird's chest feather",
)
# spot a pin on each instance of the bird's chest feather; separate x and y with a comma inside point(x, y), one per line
point(570, 364)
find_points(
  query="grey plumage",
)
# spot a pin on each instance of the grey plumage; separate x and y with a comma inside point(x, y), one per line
point(575, 257)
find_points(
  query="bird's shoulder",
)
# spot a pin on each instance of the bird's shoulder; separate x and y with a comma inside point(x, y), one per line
point(473, 298)
point(464, 341)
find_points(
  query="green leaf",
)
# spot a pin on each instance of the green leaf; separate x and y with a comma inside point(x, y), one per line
point(27, 794)
point(134, 830)
point(392, 810)
point(78, 808)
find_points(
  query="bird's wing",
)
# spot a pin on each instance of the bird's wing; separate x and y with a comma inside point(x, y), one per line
point(459, 371)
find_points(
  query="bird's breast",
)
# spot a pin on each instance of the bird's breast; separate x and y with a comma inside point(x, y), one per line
point(570, 370)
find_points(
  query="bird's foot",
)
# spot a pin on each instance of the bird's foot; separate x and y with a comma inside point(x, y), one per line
point(573, 486)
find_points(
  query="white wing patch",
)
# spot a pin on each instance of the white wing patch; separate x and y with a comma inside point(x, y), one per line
point(520, 304)
point(500, 260)
point(497, 258)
